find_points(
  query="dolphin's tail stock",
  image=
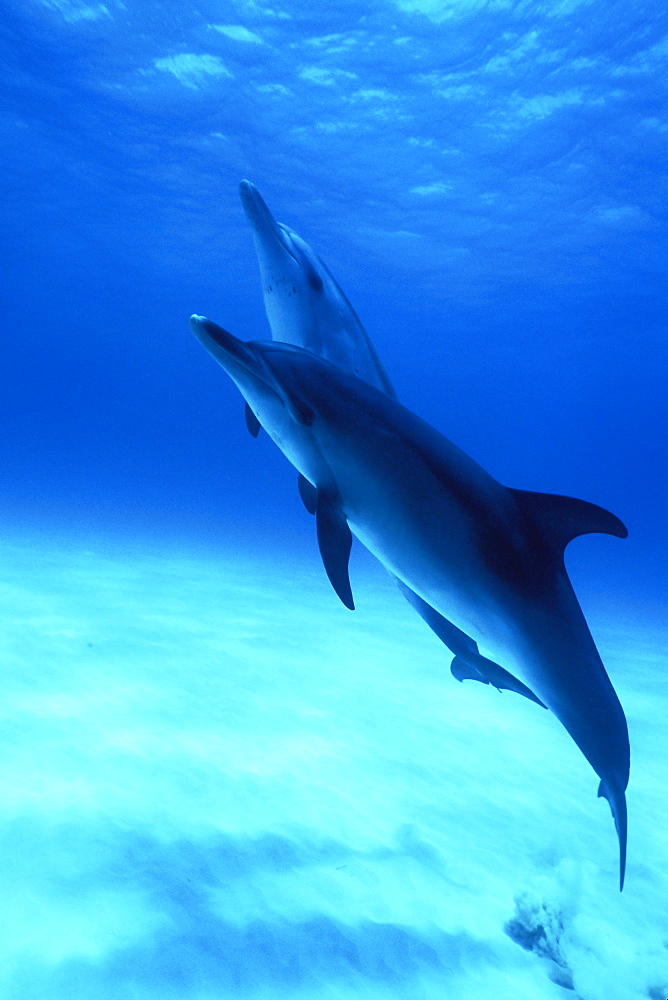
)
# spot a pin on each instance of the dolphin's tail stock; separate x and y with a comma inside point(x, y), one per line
point(613, 790)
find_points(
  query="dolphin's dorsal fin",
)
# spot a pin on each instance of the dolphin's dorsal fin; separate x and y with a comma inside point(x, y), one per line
point(252, 423)
point(476, 667)
point(335, 540)
point(561, 519)
point(469, 663)
point(308, 493)
point(453, 638)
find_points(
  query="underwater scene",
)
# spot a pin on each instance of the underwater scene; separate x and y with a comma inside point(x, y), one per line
point(333, 522)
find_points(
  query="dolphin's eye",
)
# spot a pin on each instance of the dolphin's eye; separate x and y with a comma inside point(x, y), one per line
point(312, 276)
point(304, 414)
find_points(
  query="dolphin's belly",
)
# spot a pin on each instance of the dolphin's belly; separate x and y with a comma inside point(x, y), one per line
point(435, 551)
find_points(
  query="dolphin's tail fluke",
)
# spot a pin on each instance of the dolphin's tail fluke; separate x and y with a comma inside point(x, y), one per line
point(613, 790)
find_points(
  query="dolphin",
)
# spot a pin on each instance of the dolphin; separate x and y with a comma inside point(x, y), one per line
point(488, 558)
point(304, 303)
point(306, 307)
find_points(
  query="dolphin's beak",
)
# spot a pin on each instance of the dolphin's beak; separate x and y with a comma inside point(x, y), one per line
point(223, 345)
point(264, 225)
point(256, 209)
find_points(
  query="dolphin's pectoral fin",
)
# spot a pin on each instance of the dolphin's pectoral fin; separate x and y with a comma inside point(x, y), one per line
point(478, 668)
point(335, 540)
point(252, 423)
point(613, 791)
point(308, 493)
point(469, 663)
point(561, 519)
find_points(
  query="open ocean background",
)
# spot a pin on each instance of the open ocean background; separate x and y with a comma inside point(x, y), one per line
point(216, 782)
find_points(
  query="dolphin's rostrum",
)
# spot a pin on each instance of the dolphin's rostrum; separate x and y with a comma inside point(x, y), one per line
point(487, 558)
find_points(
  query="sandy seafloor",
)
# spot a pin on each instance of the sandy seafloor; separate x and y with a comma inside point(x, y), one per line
point(217, 782)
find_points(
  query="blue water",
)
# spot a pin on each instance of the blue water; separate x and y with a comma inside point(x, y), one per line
point(217, 781)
